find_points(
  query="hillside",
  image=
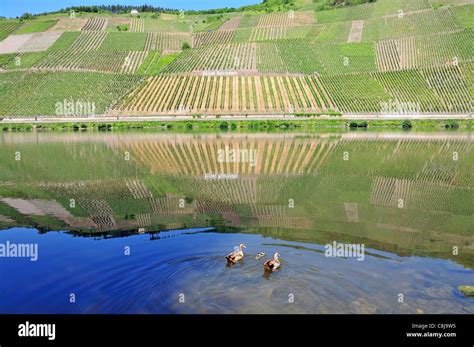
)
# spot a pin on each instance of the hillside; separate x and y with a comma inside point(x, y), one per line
point(405, 57)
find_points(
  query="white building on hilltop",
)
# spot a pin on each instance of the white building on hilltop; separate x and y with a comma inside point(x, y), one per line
point(133, 12)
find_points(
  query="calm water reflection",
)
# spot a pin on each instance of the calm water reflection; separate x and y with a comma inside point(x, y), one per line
point(408, 197)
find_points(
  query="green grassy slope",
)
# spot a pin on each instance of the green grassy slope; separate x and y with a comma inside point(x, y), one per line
point(388, 44)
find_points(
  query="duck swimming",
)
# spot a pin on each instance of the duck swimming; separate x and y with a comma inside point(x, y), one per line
point(260, 255)
point(272, 264)
point(237, 255)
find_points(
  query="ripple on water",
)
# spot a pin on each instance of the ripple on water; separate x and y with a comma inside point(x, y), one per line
point(151, 279)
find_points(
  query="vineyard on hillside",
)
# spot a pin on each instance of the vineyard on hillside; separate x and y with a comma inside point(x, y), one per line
point(7, 27)
point(41, 93)
point(213, 94)
point(95, 24)
point(231, 57)
point(403, 57)
point(212, 38)
point(166, 41)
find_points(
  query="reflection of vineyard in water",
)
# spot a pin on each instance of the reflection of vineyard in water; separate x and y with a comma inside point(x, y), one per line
point(403, 193)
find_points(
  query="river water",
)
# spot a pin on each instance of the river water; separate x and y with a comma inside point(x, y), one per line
point(140, 222)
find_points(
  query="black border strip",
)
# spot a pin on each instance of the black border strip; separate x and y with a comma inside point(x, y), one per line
point(379, 330)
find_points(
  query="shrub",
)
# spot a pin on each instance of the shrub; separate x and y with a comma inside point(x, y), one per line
point(355, 124)
point(407, 124)
point(104, 127)
point(337, 3)
point(26, 15)
point(185, 46)
point(451, 124)
point(122, 27)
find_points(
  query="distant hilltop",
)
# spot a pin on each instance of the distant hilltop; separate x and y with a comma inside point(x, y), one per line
point(265, 5)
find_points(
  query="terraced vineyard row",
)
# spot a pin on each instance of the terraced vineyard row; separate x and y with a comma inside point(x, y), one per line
point(89, 60)
point(268, 33)
point(166, 41)
point(413, 82)
point(357, 93)
point(88, 41)
point(270, 59)
point(232, 57)
point(304, 57)
point(283, 57)
point(305, 33)
point(123, 62)
point(409, 24)
point(42, 91)
point(439, 90)
point(95, 24)
point(276, 19)
point(434, 50)
point(257, 34)
point(137, 25)
point(443, 89)
point(218, 94)
point(83, 54)
point(290, 18)
point(450, 86)
point(132, 62)
point(212, 38)
point(7, 27)
point(396, 54)
point(380, 8)
point(299, 57)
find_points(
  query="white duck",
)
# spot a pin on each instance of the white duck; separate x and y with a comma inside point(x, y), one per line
point(272, 264)
point(237, 255)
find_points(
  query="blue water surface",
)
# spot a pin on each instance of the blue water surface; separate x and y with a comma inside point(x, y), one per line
point(190, 264)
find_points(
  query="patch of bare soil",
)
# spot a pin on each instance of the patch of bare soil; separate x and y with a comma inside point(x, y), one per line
point(69, 24)
point(28, 42)
point(231, 24)
point(40, 42)
point(356, 31)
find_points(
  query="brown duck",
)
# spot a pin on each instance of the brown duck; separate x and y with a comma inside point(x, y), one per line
point(237, 255)
point(272, 264)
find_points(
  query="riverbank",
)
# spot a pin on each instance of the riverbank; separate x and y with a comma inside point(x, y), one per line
point(233, 123)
